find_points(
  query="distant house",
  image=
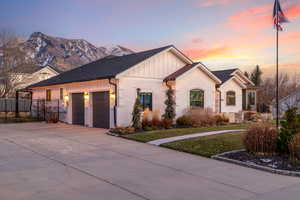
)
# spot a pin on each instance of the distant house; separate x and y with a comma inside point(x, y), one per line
point(33, 75)
point(102, 93)
point(292, 100)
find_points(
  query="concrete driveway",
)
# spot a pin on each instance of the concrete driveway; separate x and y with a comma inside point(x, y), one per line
point(41, 162)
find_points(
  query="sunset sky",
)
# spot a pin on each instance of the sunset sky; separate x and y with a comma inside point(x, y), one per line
point(220, 33)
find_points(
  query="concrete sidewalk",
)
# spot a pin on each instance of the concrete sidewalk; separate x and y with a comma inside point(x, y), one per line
point(61, 162)
point(194, 135)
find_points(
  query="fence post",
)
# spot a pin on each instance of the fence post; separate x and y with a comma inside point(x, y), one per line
point(45, 107)
point(5, 108)
point(58, 109)
point(38, 109)
point(17, 104)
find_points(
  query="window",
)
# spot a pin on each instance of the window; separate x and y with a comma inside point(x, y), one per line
point(61, 93)
point(251, 98)
point(48, 95)
point(230, 98)
point(197, 98)
point(146, 100)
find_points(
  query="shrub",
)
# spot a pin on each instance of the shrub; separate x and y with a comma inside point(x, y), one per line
point(294, 148)
point(221, 119)
point(136, 113)
point(156, 122)
point(123, 130)
point(184, 121)
point(289, 127)
point(202, 117)
point(170, 105)
point(250, 116)
point(261, 138)
point(167, 123)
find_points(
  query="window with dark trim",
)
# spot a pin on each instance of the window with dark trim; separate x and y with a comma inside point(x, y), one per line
point(251, 98)
point(230, 98)
point(48, 95)
point(146, 100)
point(61, 93)
point(197, 98)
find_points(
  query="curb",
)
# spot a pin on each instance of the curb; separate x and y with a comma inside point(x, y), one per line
point(254, 166)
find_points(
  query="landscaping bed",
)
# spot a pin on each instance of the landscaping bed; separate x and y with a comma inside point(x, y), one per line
point(208, 146)
point(148, 136)
point(274, 162)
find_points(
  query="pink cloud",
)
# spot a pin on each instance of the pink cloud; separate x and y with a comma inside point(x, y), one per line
point(259, 18)
point(208, 3)
point(196, 53)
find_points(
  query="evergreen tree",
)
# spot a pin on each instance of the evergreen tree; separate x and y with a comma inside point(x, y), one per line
point(136, 113)
point(170, 105)
point(256, 76)
point(246, 74)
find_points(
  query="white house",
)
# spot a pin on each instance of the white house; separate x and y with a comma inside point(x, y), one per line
point(27, 77)
point(102, 93)
point(236, 93)
point(292, 100)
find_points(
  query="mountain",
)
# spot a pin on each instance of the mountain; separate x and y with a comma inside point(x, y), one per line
point(66, 54)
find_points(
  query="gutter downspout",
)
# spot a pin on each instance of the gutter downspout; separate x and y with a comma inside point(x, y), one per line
point(220, 101)
point(116, 101)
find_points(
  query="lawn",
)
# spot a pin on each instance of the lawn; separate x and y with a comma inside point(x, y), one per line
point(209, 145)
point(159, 134)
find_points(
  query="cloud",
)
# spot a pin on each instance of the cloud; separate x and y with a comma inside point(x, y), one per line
point(259, 18)
point(201, 53)
point(209, 3)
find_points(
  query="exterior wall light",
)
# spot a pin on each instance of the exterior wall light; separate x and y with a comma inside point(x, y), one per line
point(86, 96)
point(66, 99)
point(112, 95)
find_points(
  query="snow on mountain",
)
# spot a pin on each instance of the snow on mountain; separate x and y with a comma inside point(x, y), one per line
point(65, 54)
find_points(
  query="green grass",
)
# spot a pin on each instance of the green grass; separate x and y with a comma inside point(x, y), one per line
point(209, 145)
point(159, 134)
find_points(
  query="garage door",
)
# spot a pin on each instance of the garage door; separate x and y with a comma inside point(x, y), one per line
point(101, 109)
point(77, 109)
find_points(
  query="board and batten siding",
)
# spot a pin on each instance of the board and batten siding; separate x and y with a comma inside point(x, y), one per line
point(147, 76)
point(231, 85)
point(156, 67)
point(194, 79)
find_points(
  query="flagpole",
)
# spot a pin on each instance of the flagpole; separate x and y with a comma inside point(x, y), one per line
point(277, 72)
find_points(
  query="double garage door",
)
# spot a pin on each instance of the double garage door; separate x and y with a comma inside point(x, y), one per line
point(100, 109)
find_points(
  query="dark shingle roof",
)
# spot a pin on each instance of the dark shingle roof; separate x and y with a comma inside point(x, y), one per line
point(179, 72)
point(107, 67)
point(224, 75)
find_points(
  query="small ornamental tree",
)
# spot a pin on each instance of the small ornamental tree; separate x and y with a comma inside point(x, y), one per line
point(136, 113)
point(170, 105)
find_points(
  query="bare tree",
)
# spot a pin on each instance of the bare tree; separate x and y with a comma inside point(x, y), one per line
point(13, 61)
point(288, 84)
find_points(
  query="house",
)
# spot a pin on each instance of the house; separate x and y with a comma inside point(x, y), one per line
point(236, 92)
point(102, 93)
point(292, 100)
point(33, 75)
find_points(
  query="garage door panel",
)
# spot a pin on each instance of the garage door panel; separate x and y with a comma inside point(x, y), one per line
point(101, 108)
point(77, 109)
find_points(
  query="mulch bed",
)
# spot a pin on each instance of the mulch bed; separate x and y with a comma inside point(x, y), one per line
point(274, 162)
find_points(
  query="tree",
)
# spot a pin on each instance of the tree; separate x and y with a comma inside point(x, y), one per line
point(136, 113)
point(246, 74)
point(13, 61)
point(170, 103)
point(256, 76)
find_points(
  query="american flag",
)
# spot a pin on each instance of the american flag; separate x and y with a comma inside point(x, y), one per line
point(278, 16)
